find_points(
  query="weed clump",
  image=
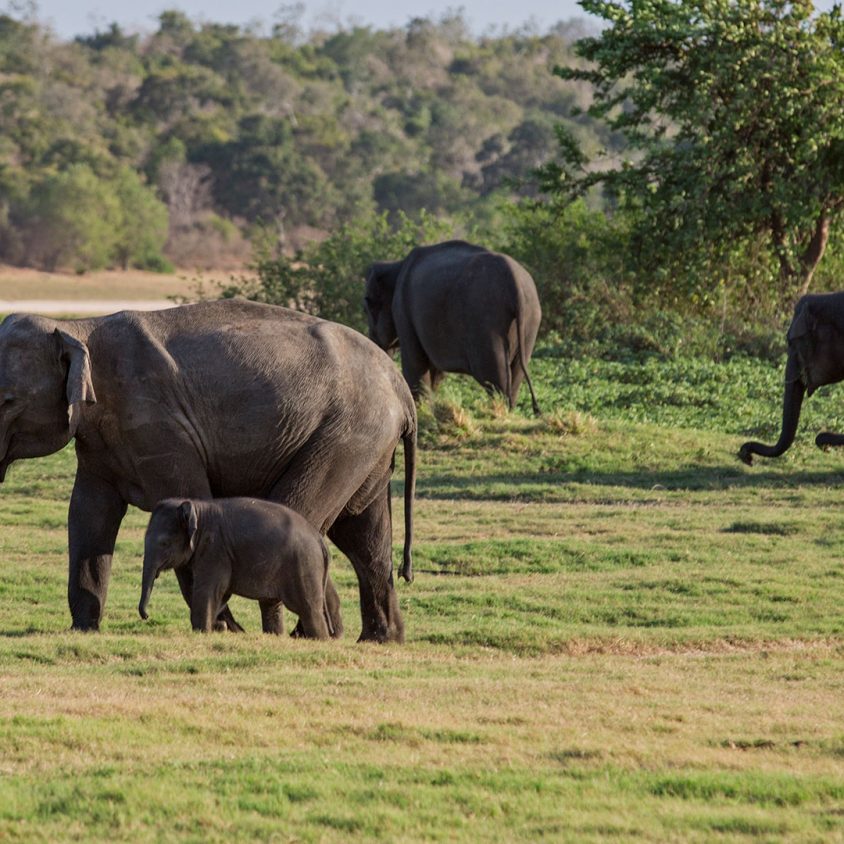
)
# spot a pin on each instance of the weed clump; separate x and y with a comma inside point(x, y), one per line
point(442, 419)
point(570, 423)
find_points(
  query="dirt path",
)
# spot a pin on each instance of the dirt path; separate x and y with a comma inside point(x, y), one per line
point(81, 306)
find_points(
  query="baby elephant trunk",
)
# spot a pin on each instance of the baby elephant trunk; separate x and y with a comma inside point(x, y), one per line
point(146, 590)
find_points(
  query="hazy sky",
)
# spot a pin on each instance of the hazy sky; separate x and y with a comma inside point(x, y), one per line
point(75, 17)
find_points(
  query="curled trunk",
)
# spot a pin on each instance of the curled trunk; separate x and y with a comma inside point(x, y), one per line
point(792, 402)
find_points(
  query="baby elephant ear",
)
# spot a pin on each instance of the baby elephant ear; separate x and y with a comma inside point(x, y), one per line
point(188, 515)
point(80, 387)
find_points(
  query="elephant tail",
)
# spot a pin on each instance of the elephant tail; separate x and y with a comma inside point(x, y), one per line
point(326, 556)
point(409, 441)
point(520, 352)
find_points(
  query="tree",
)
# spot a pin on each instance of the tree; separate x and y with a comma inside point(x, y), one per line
point(734, 114)
point(71, 220)
point(140, 230)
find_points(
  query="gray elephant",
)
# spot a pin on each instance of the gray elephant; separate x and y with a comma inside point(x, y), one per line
point(455, 307)
point(218, 399)
point(240, 546)
point(815, 358)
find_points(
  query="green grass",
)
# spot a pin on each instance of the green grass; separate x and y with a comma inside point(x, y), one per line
point(616, 631)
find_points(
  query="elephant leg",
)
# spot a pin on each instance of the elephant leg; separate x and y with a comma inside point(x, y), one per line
point(96, 511)
point(312, 623)
point(272, 617)
point(415, 364)
point(225, 620)
point(206, 601)
point(332, 605)
point(366, 539)
point(490, 366)
point(436, 377)
point(517, 375)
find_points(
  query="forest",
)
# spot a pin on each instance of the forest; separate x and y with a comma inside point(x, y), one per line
point(197, 137)
point(675, 178)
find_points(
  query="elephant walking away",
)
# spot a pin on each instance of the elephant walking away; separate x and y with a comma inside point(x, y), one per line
point(240, 546)
point(456, 307)
point(815, 358)
point(214, 400)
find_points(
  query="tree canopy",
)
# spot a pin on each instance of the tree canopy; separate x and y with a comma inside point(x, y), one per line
point(733, 117)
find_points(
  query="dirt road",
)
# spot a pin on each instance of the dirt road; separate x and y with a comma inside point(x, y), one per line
point(80, 307)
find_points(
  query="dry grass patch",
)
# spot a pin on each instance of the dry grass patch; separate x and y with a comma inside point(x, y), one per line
point(20, 283)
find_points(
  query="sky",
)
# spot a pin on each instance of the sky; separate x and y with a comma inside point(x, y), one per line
point(79, 17)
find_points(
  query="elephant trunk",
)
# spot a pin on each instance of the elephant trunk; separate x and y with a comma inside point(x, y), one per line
point(792, 402)
point(146, 590)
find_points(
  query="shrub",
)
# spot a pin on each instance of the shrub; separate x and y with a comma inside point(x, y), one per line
point(326, 278)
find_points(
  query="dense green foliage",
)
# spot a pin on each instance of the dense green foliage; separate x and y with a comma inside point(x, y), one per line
point(734, 117)
point(281, 132)
point(326, 278)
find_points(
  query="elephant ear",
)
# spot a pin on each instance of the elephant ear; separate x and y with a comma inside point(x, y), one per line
point(79, 387)
point(187, 513)
point(381, 280)
point(804, 323)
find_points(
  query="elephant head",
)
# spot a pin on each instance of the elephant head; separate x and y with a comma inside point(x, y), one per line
point(169, 542)
point(45, 378)
point(815, 358)
point(381, 280)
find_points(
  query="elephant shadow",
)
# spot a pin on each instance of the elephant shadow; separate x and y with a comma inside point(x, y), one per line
point(686, 478)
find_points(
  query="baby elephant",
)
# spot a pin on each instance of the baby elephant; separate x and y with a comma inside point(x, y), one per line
point(240, 546)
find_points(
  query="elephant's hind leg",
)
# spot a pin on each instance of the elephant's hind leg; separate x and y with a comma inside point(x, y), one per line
point(490, 366)
point(312, 622)
point(366, 539)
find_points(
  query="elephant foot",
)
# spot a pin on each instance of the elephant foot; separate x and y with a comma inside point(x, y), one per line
point(378, 631)
point(226, 621)
point(82, 627)
point(85, 616)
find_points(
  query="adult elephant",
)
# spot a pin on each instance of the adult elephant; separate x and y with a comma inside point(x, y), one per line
point(227, 398)
point(456, 307)
point(815, 358)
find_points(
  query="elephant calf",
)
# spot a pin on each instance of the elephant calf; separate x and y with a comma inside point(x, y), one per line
point(240, 546)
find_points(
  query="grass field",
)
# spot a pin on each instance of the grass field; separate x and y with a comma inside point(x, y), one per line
point(617, 631)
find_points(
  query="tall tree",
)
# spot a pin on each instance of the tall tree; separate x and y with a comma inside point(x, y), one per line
point(734, 115)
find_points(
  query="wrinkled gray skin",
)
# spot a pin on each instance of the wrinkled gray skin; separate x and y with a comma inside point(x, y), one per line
point(240, 546)
point(455, 307)
point(217, 399)
point(815, 358)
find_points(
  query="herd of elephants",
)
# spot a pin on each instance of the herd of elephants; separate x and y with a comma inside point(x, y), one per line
point(249, 431)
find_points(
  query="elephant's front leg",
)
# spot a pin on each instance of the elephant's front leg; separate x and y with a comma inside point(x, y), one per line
point(366, 539)
point(272, 617)
point(96, 510)
point(206, 601)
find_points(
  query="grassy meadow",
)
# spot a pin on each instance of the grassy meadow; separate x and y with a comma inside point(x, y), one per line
point(616, 631)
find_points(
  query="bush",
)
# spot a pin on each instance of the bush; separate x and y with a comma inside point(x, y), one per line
point(577, 258)
point(141, 229)
point(76, 219)
point(326, 279)
point(71, 220)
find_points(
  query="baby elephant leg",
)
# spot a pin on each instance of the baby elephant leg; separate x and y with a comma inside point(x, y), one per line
point(272, 617)
point(313, 623)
